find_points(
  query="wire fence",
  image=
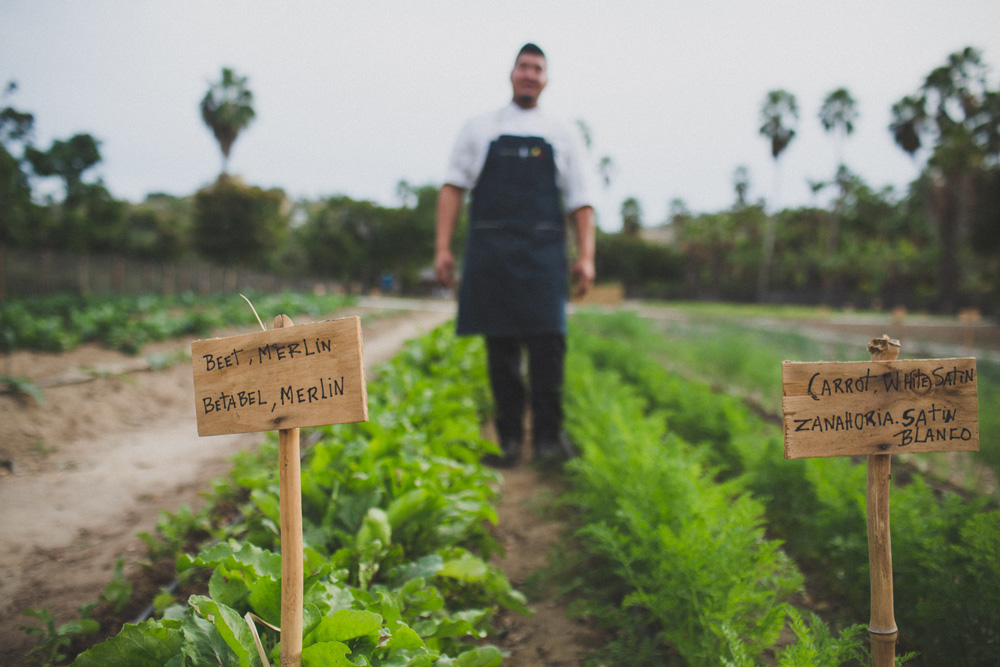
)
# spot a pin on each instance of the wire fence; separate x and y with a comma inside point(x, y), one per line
point(40, 272)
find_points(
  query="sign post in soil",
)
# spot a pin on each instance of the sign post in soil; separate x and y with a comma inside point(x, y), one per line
point(283, 379)
point(880, 408)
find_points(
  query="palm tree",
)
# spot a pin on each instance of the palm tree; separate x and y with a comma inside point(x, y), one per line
point(778, 114)
point(605, 166)
point(949, 110)
point(631, 217)
point(227, 109)
point(741, 184)
point(909, 119)
point(606, 169)
point(406, 193)
point(838, 113)
point(585, 133)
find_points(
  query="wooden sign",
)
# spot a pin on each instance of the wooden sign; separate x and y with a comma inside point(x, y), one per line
point(291, 377)
point(879, 407)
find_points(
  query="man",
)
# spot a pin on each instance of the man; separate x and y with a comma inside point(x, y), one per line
point(525, 171)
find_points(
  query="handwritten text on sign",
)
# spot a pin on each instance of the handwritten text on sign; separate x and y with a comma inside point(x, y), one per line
point(879, 407)
point(306, 375)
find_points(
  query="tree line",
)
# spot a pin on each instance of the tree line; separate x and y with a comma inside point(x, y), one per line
point(49, 200)
point(935, 246)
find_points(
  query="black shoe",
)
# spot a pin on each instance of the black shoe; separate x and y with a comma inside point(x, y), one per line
point(510, 456)
point(553, 454)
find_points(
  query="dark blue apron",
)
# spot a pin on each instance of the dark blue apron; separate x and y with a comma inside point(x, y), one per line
point(514, 276)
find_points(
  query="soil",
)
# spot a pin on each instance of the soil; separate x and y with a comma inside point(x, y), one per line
point(115, 444)
point(528, 528)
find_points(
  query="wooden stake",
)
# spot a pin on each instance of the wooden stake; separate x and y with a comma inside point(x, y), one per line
point(290, 488)
point(828, 408)
point(286, 378)
point(882, 625)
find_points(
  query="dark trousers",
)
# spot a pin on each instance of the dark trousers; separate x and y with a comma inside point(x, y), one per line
point(546, 359)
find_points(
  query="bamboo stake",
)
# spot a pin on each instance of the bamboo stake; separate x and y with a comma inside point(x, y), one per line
point(290, 498)
point(882, 624)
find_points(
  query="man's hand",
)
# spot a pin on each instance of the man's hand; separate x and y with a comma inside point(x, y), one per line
point(583, 276)
point(583, 272)
point(444, 267)
point(448, 206)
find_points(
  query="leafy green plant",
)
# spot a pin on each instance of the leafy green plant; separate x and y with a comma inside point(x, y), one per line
point(127, 323)
point(989, 412)
point(672, 545)
point(118, 592)
point(176, 530)
point(54, 641)
point(815, 647)
point(159, 362)
point(22, 388)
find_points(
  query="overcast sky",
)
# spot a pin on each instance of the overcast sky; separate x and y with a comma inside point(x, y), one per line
point(352, 97)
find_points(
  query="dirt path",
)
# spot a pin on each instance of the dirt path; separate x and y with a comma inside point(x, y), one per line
point(115, 443)
point(528, 527)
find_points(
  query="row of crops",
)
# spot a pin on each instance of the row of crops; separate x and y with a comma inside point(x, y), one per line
point(395, 522)
point(694, 542)
point(63, 322)
point(740, 350)
point(689, 549)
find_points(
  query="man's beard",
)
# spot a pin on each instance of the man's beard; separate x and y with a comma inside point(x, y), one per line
point(526, 101)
